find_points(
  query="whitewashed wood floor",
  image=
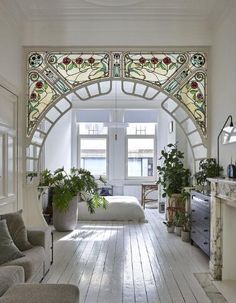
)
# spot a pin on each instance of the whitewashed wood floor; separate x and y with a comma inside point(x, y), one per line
point(128, 262)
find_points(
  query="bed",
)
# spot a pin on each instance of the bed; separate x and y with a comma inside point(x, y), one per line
point(120, 208)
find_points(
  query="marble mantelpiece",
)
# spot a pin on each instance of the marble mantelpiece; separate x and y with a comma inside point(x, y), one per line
point(223, 196)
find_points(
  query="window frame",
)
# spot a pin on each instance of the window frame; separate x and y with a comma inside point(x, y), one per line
point(87, 136)
point(141, 178)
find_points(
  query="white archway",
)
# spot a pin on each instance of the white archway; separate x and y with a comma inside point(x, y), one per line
point(180, 89)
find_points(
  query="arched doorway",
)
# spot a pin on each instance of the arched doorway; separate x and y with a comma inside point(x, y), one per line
point(178, 80)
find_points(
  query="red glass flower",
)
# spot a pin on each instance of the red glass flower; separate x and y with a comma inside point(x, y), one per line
point(154, 60)
point(194, 85)
point(142, 60)
point(79, 60)
point(91, 60)
point(39, 84)
point(66, 60)
point(167, 60)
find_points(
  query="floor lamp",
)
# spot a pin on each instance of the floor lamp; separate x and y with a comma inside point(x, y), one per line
point(218, 138)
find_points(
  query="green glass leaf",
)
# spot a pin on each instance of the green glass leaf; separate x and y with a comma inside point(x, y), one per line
point(70, 66)
point(61, 66)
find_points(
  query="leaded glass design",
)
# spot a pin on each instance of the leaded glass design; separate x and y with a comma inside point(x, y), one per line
point(181, 76)
point(193, 95)
point(154, 68)
point(41, 95)
point(77, 69)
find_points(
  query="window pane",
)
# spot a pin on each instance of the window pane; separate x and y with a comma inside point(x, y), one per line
point(92, 129)
point(140, 157)
point(1, 166)
point(93, 155)
point(141, 129)
point(10, 165)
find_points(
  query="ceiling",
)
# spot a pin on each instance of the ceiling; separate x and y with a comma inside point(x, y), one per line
point(203, 10)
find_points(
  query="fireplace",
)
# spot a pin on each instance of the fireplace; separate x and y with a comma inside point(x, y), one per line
point(223, 229)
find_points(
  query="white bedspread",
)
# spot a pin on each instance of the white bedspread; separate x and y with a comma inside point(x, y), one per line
point(120, 208)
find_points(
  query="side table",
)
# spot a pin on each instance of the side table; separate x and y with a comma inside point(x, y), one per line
point(146, 190)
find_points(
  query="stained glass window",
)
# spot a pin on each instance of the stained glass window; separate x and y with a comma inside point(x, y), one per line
point(180, 75)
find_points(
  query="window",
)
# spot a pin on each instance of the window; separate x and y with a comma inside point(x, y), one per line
point(93, 148)
point(141, 150)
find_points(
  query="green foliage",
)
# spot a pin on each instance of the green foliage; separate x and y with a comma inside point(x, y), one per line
point(172, 174)
point(67, 186)
point(208, 168)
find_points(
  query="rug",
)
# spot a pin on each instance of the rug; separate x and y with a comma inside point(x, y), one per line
point(206, 282)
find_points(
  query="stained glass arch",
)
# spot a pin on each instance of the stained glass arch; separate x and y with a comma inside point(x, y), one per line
point(178, 80)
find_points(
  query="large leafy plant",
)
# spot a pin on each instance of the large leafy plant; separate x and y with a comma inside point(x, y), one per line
point(67, 186)
point(172, 175)
point(208, 168)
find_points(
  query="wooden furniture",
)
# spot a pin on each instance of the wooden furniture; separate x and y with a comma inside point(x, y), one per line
point(200, 221)
point(147, 189)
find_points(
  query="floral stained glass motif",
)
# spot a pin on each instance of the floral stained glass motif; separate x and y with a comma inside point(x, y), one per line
point(41, 94)
point(153, 68)
point(77, 68)
point(52, 75)
point(193, 95)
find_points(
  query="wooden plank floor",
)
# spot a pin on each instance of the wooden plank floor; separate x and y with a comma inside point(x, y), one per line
point(126, 262)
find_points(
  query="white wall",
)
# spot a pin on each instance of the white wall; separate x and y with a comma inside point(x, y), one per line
point(11, 62)
point(58, 145)
point(97, 32)
point(223, 93)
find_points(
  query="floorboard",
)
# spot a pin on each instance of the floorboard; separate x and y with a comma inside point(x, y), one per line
point(128, 262)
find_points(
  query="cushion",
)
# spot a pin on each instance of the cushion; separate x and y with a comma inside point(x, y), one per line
point(38, 293)
point(32, 262)
point(10, 275)
point(17, 229)
point(8, 250)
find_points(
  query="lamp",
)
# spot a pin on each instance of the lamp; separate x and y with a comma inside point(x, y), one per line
point(115, 123)
point(218, 138)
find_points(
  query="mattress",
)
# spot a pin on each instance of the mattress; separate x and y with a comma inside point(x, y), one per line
point(120, 208)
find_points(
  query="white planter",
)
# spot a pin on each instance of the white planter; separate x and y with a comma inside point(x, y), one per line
point(170, 229)
point(178, 230)
point(185, 236)
point(66, 220)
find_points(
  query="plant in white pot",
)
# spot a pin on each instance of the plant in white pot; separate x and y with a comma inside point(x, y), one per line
point(185, 232)
point(179, 222)
point(66, 189)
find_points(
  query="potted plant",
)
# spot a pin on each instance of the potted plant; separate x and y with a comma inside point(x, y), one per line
point(173, 177)
point(185, 232)
point(179, 222)
point(208, 168)
point(66, 189)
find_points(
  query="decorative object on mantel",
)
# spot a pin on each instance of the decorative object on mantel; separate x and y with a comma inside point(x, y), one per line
point(208, 168)
point(231, 125)
point(231, 170)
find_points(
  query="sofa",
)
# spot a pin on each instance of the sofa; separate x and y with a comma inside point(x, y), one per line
point(20, 276)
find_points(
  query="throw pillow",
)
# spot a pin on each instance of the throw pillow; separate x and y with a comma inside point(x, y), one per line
point(8, 250)
point(17, 229)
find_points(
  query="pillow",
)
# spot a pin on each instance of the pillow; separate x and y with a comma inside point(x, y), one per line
point(17, 229)
point(8, 250)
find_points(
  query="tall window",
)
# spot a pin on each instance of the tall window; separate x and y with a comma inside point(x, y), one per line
point(141, 150)
point(93, 148)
